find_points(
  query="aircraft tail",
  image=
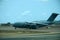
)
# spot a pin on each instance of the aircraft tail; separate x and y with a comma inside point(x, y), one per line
point(52, 17)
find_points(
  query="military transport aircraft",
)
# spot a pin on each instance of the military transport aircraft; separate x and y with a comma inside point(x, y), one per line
point(35, 25)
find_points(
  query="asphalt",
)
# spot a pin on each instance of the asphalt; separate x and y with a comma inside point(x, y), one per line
point(35, 37)
point(52, 34)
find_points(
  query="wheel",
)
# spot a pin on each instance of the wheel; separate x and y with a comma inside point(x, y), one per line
point(15, 27)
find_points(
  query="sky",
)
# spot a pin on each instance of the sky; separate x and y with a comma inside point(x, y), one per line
point(28, 10)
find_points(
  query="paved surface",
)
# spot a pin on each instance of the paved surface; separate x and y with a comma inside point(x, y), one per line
point(53, 35)
point(35, 37)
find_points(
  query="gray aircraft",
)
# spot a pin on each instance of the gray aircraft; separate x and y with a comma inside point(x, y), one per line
point(35, 25)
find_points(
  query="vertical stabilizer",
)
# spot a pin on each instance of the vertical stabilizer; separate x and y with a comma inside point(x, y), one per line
point(52, 17)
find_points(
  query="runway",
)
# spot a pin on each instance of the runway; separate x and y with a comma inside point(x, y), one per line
point(10, 33)
point(34, 37)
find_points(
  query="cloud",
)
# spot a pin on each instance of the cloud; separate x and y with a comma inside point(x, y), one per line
point(25, 13)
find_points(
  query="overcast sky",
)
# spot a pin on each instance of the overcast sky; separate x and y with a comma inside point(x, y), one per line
point(28, 10)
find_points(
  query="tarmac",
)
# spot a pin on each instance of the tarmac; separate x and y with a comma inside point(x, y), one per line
point(10, 33)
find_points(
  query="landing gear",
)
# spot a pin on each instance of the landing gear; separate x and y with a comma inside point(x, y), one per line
point(15, 27)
